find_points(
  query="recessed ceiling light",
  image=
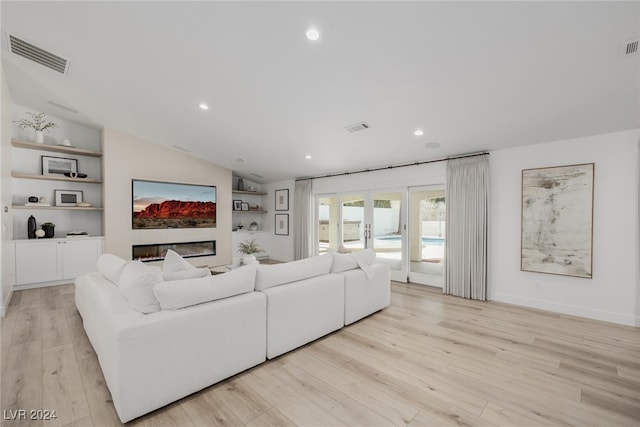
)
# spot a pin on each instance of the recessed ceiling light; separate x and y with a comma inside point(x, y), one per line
point(418, 132)
point(432, 144)
point(312, 34)
point(203, 106)
point(308, 156)
point(239, 160)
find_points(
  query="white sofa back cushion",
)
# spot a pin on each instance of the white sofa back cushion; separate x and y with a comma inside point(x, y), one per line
point(136, 282)
point(175, 267)
point(279, 274)
point(176, 294)
point(343, 262)
point(110, 266)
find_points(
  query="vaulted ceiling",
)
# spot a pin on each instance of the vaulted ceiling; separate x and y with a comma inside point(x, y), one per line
point(472, 75)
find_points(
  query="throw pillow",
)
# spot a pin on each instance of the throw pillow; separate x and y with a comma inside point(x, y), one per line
point(177, 294)
point(175, 267)
point(110, 266)
point(136, 282)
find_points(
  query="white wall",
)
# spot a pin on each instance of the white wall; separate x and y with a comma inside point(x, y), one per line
point(425, 174)
point(7, 274)
point(127, 158)
point(612, 293)
point(281, 247)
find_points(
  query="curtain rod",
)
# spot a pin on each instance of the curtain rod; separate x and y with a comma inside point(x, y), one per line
point(424, 162)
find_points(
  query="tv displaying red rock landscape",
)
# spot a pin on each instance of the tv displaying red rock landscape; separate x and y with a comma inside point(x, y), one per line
point(171, 205)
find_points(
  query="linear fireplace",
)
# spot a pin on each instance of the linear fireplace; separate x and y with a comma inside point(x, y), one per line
point(157, 251)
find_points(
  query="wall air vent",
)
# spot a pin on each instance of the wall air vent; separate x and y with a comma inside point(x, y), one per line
point(37, 54)
point(357, 127)
point(630, 47)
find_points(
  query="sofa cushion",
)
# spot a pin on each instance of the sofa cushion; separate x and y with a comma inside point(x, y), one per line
point(175, 267)
point(136, 282)
point(343, 262)
point(279, 274)
point(110, 266)
point(176, 294)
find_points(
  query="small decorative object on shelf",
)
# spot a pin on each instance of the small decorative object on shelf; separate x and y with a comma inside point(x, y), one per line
point(49, 229)
point(32, 199)
point(240, 226)
point(253, 226)
point(249, 249)
point(240, 184)
point(38, 124)
point(75, 175)
point(31, 227)
point(39, 233)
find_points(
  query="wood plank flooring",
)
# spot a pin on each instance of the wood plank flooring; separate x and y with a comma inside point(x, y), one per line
point(427, 360)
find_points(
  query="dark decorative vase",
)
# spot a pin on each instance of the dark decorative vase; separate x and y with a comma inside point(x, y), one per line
point(49, 230)
point(31, 227)
point(240, 184)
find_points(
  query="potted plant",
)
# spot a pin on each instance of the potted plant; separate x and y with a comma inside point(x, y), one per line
point(38, 124)
point(249, 249)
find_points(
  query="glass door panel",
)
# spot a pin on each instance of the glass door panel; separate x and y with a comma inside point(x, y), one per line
point(427, 235)
point(327, 223)
point(387, 230)
point(355, 223)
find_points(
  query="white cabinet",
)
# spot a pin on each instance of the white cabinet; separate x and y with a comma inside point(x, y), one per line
point(50, 260)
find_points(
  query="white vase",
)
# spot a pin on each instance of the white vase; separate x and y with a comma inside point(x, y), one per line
point(39, 136)
point(248, 259)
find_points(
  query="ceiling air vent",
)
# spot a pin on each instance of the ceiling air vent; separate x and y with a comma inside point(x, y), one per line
point(630, 47)
point(358, 127)
point(256, 175)
point(39, 55)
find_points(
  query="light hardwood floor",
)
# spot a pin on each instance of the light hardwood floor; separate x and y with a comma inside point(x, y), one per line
point(427, 360)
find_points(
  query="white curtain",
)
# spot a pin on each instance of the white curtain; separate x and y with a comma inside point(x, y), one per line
point(466, 195)
point(302, 219)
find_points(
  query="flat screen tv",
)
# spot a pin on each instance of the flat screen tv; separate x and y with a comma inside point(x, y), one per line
point(171, 205)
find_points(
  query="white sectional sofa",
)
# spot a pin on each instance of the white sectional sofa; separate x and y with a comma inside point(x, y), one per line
point(160, 340)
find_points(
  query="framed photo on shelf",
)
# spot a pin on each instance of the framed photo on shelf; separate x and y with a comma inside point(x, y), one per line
point(282, 224)
point(282, 199)
point(245, 206)
point(58, 165)
point(237, 205)
point(68, 197)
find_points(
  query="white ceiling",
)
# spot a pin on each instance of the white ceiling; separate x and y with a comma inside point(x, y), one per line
point(475, 76)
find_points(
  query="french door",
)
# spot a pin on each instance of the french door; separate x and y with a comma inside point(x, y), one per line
point(427, 237)
point(365, 220)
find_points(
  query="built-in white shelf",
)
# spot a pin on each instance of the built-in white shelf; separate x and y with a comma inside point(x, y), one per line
point(54, 148)
point(55, 178)
point(57, 208)
point(255, 193)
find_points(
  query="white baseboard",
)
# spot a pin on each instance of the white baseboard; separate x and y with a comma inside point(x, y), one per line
point(42, 285)
point(574, 310)
point(5, 303)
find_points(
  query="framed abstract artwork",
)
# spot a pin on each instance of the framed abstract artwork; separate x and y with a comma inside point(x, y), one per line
point(282, 224)
point(282, 200)
point(557, 220)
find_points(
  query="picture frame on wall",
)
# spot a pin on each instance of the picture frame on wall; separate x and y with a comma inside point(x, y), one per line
point(282, 199)
point(237, 205)
point(282, 224)
point(557, 220)
point(67, 197)
point(244, 206)
point(58, 165)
